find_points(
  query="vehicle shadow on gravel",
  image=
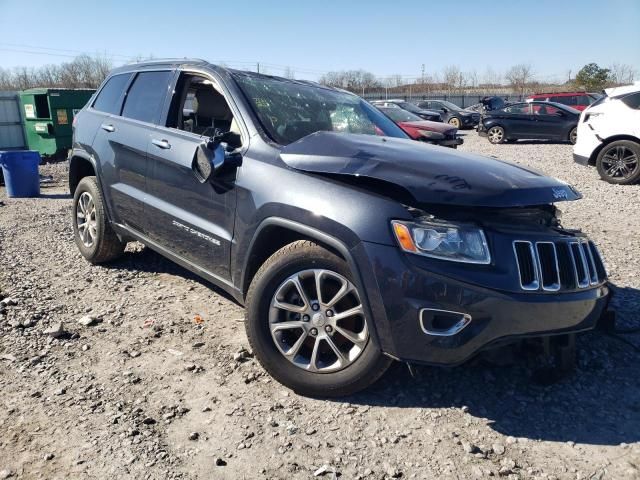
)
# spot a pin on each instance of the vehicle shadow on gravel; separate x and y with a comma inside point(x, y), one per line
point(147, 260)
point(598, 404)
point(55, 196)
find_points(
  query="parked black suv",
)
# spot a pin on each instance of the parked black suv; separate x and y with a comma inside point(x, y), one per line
point(348, 243)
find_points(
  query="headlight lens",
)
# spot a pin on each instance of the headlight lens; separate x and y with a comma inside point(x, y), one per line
point(457, 243)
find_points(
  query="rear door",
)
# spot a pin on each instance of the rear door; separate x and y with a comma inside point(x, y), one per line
point(549, 122)
point(123, 141)
point(191, 219)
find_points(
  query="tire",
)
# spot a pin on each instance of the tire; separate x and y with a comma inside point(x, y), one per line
point(97, 242)
point(619, 162)
point(496, 135)
point(455, 121)
point(573, 135)
point(276, 278)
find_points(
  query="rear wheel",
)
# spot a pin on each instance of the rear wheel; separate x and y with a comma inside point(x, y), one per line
point(496, 135)
point(307, 325)
point(619, 162)
point(573, 135)
point(92, 231)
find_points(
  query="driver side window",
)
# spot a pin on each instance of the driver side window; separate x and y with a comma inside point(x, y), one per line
point(198, 107)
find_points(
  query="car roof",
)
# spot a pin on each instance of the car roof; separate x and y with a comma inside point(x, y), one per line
point(617, 91)
point(198, 62)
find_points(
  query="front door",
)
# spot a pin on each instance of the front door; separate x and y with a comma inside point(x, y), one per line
point(548, 121)
point(191, 219)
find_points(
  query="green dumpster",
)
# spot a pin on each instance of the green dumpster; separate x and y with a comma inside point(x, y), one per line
point(48, 114)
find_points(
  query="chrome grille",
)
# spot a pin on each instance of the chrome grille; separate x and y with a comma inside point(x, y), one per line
point(561, 265)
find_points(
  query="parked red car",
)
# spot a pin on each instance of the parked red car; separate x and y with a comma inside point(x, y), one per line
point(437, 133)
point(577, 100)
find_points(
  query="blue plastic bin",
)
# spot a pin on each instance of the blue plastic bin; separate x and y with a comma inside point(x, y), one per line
point(20, 170)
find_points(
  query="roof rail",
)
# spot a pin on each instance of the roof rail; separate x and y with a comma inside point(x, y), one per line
point(157, 61)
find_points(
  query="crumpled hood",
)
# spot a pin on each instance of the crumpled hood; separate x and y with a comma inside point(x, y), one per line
point(430, 174)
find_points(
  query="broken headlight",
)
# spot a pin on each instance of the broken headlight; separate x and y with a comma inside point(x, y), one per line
point(454, 242)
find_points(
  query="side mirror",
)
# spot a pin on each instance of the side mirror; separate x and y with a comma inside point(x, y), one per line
point(211, 154)
point(444, 109)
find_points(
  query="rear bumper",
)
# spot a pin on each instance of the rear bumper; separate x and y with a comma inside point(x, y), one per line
point(403, 291)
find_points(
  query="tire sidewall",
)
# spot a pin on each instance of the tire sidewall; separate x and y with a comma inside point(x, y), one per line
point(618, 181)
point(257, 324)
point(90, 185)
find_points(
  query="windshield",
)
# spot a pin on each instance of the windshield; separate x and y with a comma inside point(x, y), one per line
point(450, 106)
point(400, 115)
point(290, 110)
point(410, 107)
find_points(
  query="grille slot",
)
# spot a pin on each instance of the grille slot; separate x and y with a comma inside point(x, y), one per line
point(562, 265)
point(548, 263)
point(580, 264)
point(527, 265)
point(597, 258)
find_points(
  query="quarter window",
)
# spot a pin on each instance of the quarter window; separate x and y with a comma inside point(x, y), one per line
point(632, 101)
point(146, 96)
point(108, 99)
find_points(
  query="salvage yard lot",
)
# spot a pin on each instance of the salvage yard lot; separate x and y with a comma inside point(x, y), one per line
point(162, 386)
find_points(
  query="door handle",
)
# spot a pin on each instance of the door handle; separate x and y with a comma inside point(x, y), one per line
point(108, 127)
point(161, 143)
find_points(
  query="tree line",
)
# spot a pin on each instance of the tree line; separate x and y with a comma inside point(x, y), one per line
point(519, 78)
point(83, 71)
point(86, 71)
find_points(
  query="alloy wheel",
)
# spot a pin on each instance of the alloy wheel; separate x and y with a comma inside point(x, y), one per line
point(455, 122)
point(495, 134)
point(317, 321)
point(86, 219)
point(573, 136)
point(620, 162)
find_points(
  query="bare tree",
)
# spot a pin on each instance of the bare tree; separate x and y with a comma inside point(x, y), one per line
point(289, 73)
point(352, 80)
point(622, 74)
point(491, 78)
point(452, 77)
point(519, 77)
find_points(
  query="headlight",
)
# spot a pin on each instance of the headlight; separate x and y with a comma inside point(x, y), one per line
point(431, 135)
point(457, 243)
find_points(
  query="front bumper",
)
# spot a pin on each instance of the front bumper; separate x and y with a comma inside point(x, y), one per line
point(398, 291)
point(450, 142)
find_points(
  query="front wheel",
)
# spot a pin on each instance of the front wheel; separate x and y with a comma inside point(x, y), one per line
point(619, 162)
point(307, 325)
point(454, 121)
point(496, 135)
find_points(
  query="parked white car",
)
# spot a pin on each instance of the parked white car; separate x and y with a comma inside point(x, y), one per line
point(609, 135)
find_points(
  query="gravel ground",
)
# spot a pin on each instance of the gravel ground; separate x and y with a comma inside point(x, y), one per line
point(140, 370)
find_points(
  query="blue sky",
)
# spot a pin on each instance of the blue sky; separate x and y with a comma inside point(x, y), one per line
point(313, 37)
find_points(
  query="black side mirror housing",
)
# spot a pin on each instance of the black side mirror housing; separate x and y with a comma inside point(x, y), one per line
point(211, 154)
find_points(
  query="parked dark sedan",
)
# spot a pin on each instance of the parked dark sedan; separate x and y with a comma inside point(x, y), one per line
point(423, 113)
point(436, 133)
point(452, 113)
point(530, 120)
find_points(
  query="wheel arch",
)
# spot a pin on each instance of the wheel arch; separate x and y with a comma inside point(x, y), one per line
point(280, 232)
point(80, 165)
point(594, 155)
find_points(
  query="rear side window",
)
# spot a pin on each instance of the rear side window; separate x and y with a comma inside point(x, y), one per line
point(565, 99)
point(632, 101)
point(146, 96)
point(108, 99)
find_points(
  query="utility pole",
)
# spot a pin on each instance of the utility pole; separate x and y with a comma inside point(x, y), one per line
point(423, 75)
point(258, 67)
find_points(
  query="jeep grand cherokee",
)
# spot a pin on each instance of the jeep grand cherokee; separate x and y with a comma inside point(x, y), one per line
point(348, 243)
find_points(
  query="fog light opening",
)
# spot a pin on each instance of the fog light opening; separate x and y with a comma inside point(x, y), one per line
point(442, 323)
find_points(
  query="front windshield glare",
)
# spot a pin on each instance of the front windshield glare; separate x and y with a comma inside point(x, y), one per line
point(290, 110)
point(451, 106)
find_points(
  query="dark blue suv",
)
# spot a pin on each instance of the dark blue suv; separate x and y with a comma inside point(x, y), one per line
point(348, 243)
